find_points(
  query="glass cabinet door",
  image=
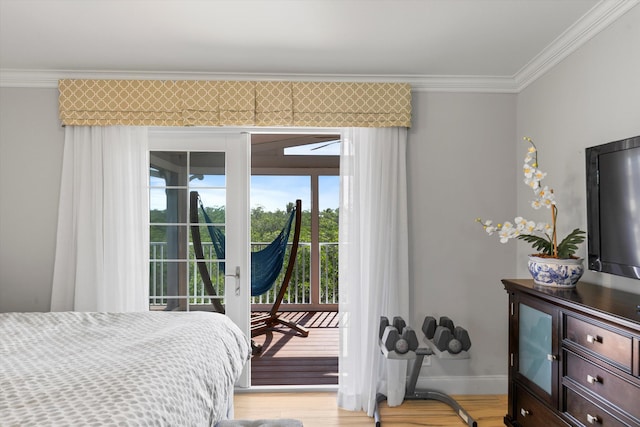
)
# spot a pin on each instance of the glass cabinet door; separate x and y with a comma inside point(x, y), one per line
point(537, 362)
point(535, 346)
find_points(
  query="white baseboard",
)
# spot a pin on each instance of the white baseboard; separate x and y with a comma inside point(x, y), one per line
point(482, 384)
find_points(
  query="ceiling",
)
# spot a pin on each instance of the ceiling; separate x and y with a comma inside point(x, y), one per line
point(496, 44)
point(267, 151)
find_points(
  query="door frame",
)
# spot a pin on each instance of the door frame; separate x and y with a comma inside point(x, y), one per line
point(165, 138)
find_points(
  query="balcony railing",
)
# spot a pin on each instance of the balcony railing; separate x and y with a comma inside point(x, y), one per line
point(301, 290)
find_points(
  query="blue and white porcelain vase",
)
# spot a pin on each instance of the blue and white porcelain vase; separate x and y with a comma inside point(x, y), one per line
point(559, 273)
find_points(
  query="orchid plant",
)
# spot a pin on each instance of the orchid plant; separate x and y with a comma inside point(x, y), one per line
point(542, 236)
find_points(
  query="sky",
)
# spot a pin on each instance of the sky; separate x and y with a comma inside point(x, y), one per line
point(274, 192)
point(271, 192)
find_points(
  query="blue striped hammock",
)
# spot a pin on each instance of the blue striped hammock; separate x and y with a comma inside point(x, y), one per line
point(266, 263)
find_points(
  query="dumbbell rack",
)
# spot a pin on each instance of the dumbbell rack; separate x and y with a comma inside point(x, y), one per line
point(417, 355)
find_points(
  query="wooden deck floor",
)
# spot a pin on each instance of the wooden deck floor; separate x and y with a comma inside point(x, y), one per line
point(290, 359)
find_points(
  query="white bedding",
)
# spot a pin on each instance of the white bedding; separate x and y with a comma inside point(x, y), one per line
point(94, 369)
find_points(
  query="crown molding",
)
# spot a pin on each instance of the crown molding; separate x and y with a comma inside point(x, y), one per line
point(481, 84)
point(598, 18)
point(49, 79)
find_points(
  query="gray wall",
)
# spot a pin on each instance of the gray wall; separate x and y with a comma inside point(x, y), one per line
point(590, 98)
point(461, 164)
point(31, 141)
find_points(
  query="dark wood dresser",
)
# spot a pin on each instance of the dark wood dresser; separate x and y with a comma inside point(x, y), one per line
point(574, 356)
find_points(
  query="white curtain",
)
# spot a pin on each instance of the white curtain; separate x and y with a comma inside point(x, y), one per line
point(374, 273)
point(101, 261)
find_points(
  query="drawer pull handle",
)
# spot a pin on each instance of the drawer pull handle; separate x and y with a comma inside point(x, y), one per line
point(524, 412)
point(594, 339)
point(593, 380)
point(593, 419)
point(552, 357)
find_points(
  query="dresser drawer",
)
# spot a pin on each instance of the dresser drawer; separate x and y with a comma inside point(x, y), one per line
point(607, 385)
point(588, 413)
point(530, 412)
point(611, 345)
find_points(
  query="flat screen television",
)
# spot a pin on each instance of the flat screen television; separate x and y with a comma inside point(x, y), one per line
point(613, 207)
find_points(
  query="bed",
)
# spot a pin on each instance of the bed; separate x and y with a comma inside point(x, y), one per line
point(152, 368)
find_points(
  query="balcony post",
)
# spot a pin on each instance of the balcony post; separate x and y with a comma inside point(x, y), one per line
point(315, 245)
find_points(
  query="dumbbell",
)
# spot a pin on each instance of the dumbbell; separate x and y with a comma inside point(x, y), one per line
point(441, 337)
point(445, 335)
point(462, 335)
point(460, 341)
point(393, 340)
point(454, 346)
point(429, 327)
point(447, 323)
point(384, 322)
point(399, 323)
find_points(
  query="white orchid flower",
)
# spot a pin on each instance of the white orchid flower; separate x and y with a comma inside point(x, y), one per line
point(539, 175)
point(521, 223)
point(546, 194)
point(543, 227)
point(528, 170)
point(507, 232)
point(491, 229)
point(544, 197)
point(533, 183)
point(530, 227)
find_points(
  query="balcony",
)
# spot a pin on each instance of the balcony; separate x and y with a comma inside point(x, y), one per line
point(288, 359)
point(306, 292)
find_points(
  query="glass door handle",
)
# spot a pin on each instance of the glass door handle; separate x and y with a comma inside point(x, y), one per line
point(237, 276)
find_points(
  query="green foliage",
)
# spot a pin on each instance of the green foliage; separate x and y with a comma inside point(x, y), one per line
point(540, 244)
point(566, 248)
point(265, 226)
point(329, 219)
point(569, 244)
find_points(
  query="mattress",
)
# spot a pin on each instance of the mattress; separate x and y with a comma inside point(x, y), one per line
point(151, 368)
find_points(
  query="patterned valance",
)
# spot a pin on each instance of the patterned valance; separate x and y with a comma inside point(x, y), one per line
point(233, 103)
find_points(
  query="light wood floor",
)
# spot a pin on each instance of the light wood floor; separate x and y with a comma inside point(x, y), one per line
point(289, 359)
point(319, 409)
